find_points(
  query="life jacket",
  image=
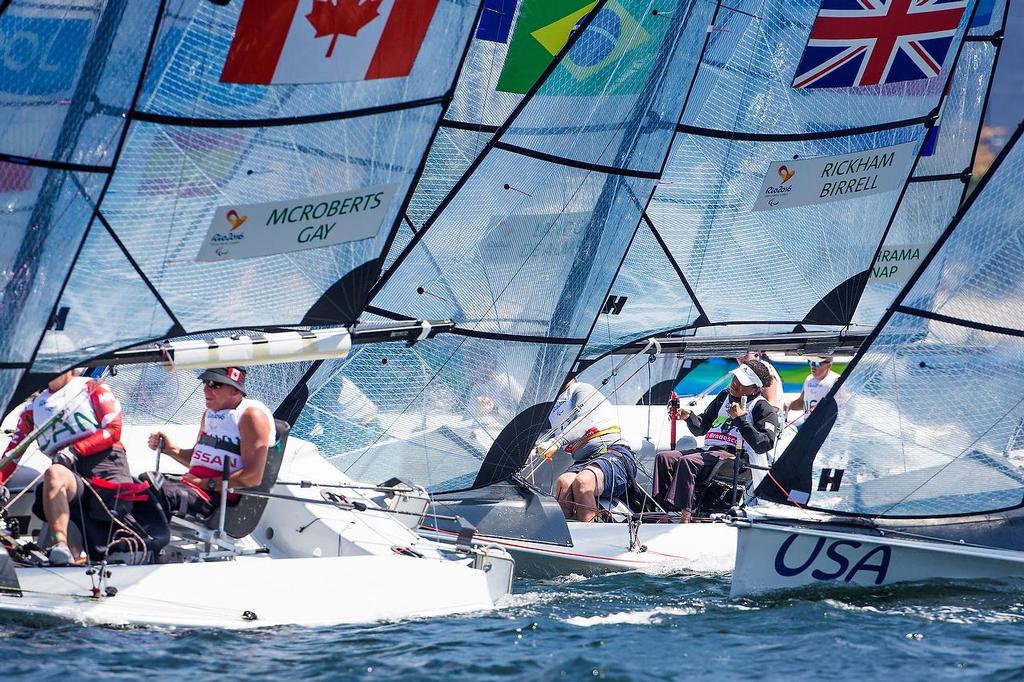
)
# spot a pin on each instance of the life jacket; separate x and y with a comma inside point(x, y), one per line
point(723, 434)
point(79, 418)
point(220, 440)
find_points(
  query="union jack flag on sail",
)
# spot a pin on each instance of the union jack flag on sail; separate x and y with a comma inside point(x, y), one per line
point(873, 42)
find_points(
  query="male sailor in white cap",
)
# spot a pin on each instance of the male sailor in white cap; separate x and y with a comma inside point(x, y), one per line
point(816, 386)
point(739, 414)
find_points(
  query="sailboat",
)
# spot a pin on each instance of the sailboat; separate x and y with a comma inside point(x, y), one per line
point(168, 178)
point(516, 257)
point(908, 490)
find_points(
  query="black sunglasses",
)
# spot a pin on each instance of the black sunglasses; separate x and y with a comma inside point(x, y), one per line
point(212, 385)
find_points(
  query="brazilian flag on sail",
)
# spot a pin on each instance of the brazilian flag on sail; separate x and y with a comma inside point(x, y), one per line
point(613, 55)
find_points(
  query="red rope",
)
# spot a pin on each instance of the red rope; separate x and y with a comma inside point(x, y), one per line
point(784, 491)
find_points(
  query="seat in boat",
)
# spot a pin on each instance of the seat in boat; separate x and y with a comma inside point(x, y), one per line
point(716, 490)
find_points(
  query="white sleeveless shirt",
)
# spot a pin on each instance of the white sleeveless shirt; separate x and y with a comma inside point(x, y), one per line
point(220, 440)
point(815, 391)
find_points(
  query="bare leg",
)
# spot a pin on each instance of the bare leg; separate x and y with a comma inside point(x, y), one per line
point(563, 493)
point(59, 488)
point(585, 489)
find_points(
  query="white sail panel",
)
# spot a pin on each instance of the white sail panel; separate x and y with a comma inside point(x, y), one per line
point(104, 293)
point(511, 260)
point(647, 299)
point(57, 59)
point(451, 154)
point(958, 124)
point(430, 412)
point(926, 209)
point(477, 99)
point(476, 111)
point(46, 222)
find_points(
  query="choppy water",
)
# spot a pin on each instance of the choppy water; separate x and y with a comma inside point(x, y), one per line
point(620, 627)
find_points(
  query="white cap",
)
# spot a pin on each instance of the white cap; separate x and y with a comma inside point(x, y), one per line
point(747, 376)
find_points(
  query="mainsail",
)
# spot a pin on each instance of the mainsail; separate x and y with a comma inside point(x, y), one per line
point(520, 254)
point(928, 423)
point(710, 259)
point(157, 148)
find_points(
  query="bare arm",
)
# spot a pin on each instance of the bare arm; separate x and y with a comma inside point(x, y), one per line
point(798, 404)
point(254, 428)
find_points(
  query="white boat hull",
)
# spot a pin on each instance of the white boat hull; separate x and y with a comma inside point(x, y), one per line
point(254, 592)
point(779, 556)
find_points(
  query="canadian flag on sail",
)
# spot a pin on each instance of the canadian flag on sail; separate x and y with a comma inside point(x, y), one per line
point(326, 41)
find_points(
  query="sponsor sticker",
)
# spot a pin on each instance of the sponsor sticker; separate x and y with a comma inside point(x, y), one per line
point(822, 179)
point(249, 231)
point(896, 262)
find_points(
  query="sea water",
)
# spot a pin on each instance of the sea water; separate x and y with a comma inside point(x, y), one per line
point(629, 626)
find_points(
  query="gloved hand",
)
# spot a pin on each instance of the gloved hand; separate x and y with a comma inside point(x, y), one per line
point(65, 457)
point(548, 445)
point(5, 494)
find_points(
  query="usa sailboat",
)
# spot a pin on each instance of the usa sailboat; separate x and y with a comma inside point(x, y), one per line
point(884, 486)
point(171, 169)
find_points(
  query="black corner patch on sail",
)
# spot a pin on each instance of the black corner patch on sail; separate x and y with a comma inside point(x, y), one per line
point(837, 306)
point(343, 301)
point(508, 453)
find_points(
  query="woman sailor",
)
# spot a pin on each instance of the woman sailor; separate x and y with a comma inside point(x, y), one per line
point(738, 417)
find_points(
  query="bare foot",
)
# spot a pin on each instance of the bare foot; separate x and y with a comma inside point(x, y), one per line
point(684, 516)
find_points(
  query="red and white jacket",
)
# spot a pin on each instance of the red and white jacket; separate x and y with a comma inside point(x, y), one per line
point(91, 423)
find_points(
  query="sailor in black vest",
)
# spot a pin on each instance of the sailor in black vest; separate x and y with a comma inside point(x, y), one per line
point(738, 416)
point(233, 428)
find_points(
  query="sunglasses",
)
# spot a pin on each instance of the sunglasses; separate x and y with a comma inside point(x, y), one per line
point(815, 363)
point(212, 385)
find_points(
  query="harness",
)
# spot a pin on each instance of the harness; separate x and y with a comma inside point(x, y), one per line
point(592, 433)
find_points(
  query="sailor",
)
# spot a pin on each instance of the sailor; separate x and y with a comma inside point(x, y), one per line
point(495, 399)
point(816, 386)
point(773, 391)
point(738, 419)
point(584, 424)
point(84, 444)
point(234, 428)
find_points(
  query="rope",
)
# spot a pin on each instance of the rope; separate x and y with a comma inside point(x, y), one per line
point(784, 491)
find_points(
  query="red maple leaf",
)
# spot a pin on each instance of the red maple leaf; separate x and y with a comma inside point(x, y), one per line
point(335, 17)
